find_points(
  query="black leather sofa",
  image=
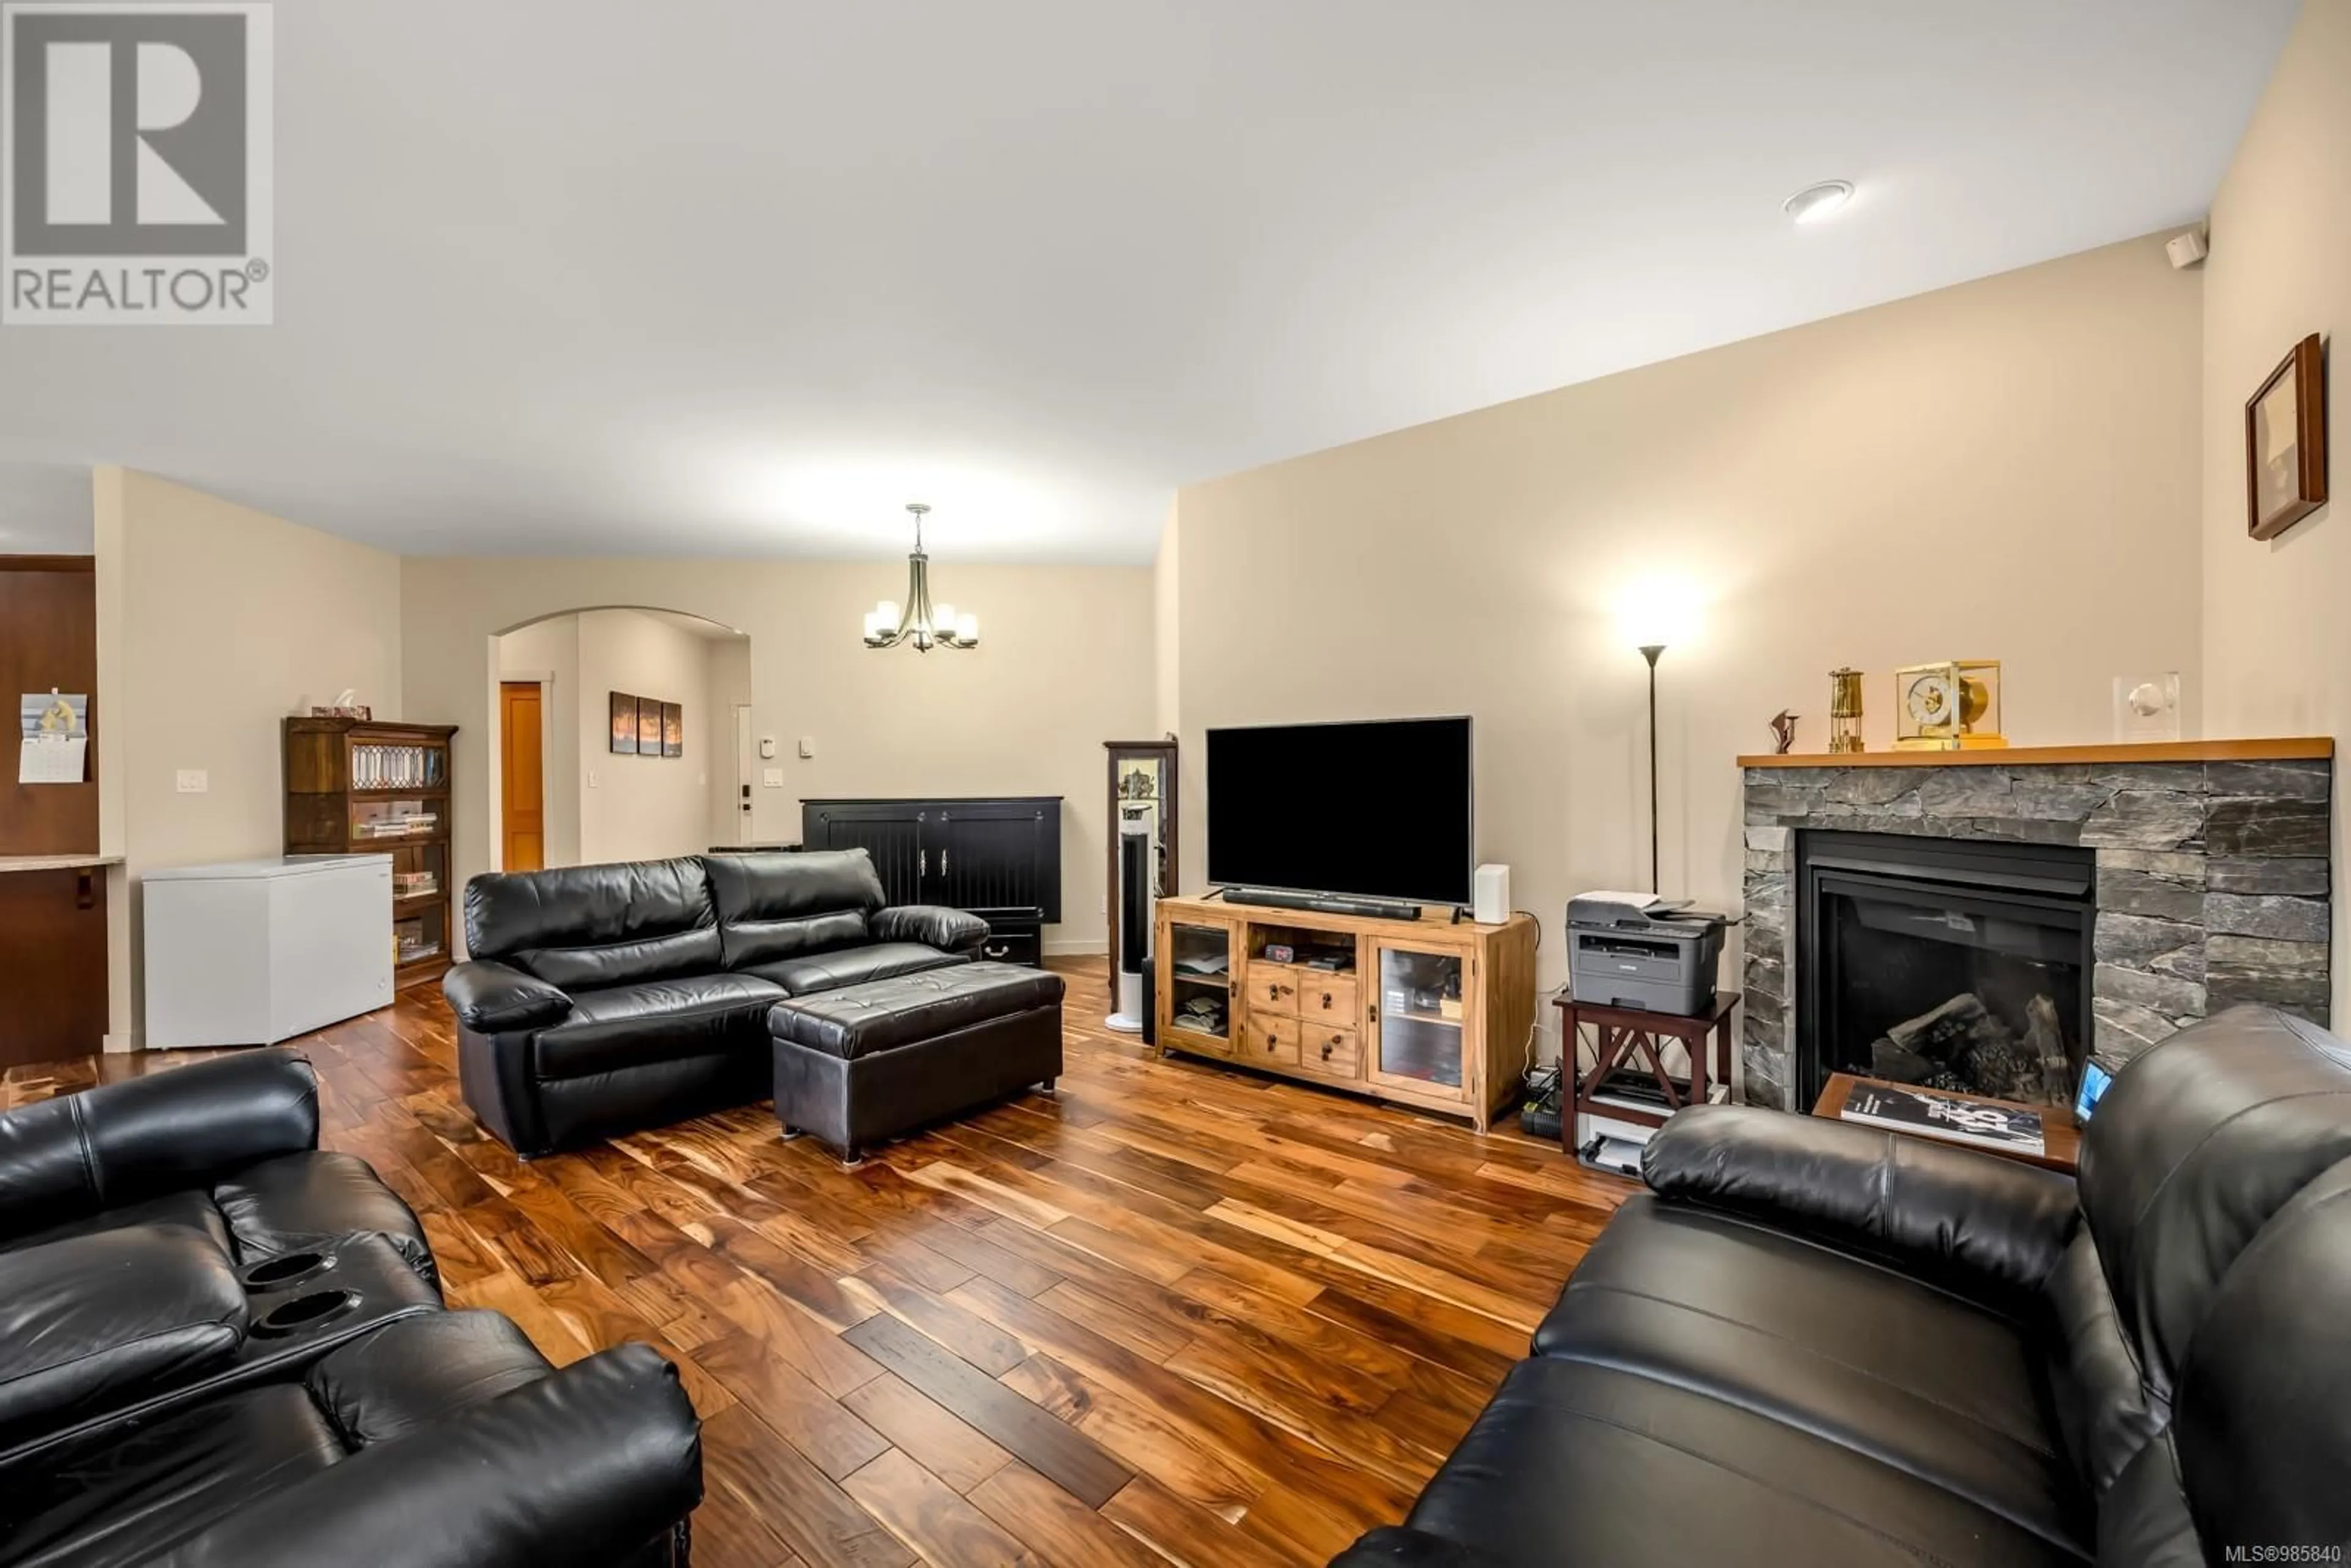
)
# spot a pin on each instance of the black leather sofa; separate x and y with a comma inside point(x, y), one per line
point(220, 1345)
point(602, 998)
point(1811, 1342)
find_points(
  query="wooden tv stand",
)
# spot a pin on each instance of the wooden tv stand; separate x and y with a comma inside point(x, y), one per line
point(1429, 1013)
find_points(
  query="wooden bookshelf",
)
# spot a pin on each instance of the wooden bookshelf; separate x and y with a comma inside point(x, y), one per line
point(349, 785)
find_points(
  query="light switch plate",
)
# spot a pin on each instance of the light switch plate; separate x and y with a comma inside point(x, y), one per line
point(773, 777)
point(594, 780)
point(807, 745)
point(195, 781)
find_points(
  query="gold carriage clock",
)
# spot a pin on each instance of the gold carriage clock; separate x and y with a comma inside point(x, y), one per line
point(1950, 707)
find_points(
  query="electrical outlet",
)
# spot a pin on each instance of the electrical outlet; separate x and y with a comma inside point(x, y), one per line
point(195, 781)
point(773, 777)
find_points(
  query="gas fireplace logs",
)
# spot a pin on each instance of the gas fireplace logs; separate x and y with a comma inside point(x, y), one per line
point(1961, 1046)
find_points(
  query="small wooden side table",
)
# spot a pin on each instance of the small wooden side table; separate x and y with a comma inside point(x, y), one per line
point(2061, 1138)
point(1630, 1038)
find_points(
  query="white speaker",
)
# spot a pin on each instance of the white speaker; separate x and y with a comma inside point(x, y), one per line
point(2186, 249)
point(1493, 895)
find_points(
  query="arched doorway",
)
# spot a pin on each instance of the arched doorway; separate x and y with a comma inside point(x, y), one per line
point(576, 780)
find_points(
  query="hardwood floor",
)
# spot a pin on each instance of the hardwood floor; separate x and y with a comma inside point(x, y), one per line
point(1172, 1313)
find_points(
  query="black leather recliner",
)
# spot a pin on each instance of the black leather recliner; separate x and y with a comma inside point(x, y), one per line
point(606, 998)
point(443, 1440)
point(135, 1219)
point(220, 1345)
point(1813, 1343)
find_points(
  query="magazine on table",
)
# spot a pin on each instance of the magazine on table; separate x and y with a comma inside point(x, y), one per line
point(1922, 1110)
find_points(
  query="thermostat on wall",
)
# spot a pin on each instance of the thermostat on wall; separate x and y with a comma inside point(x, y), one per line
point(767, 747)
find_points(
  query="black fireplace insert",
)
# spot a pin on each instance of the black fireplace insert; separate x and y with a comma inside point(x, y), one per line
point(1953, 963)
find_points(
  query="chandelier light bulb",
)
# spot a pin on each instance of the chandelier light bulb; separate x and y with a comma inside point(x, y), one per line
point(922, 623)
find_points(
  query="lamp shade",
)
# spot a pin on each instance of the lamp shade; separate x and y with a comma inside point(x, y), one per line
point(1655, 613)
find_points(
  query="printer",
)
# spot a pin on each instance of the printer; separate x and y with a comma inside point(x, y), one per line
point(1638, 950)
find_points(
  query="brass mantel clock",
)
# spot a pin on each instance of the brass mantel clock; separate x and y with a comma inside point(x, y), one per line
point(1951, 706)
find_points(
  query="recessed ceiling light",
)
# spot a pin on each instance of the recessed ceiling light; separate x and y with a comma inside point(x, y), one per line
point(1813, 202)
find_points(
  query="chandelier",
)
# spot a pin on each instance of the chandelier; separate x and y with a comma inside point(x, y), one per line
point(921, 624)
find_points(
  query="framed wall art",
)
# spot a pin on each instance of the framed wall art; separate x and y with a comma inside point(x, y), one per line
point(624, 725)
point(673, 720)
point(649, 727)
point(2285, 443)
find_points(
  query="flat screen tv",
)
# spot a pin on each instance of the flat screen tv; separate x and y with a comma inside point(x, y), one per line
point(1371, 810)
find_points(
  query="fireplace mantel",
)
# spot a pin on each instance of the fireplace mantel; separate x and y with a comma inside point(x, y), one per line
point(2213, 866)
point(2297, 748)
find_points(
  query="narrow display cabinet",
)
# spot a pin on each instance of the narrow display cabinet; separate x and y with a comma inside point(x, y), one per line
point(356, 786)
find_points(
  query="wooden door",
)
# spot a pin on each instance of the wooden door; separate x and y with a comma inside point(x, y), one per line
point(996, 857)
point(522, 775)
point(48, 638)
point(891, 831)
point(52, 965)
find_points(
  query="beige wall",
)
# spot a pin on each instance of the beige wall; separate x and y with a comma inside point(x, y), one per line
point(1167, 659)
point(1066, 664)
point(550, 652)
point(2005, 469)
point(642, 808)
point(215, 622)
point(2277, 640)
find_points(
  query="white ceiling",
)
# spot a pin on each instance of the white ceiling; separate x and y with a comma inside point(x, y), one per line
point(44, 508)
point(740, 276)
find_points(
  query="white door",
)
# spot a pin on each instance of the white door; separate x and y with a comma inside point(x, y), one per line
point(746, 763)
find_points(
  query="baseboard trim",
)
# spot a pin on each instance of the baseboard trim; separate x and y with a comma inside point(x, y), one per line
point(1076, 948)
point(114, 1044)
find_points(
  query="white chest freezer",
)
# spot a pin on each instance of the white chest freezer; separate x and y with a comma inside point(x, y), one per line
point(255, 952)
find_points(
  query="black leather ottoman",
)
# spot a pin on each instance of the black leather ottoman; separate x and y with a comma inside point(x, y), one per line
point(866, 1062)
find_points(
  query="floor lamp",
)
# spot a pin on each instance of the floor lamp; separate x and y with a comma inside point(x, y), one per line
point(1650, 651)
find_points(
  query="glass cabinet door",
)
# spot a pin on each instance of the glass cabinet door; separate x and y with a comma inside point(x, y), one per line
point(1417, 1013)
point(1195, 987)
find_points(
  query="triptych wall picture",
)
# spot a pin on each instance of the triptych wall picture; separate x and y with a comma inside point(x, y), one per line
point(646, 726)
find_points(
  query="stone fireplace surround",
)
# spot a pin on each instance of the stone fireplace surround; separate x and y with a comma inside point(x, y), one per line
point(2213, 870)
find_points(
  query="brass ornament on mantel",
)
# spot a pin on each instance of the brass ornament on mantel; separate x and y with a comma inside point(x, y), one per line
point(1845, 711)
point(1953, 705)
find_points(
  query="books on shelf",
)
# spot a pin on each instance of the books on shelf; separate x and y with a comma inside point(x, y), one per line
point(410, 826)
point(1979, 1123)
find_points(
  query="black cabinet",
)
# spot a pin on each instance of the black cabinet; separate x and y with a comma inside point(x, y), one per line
point(1000, 859)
